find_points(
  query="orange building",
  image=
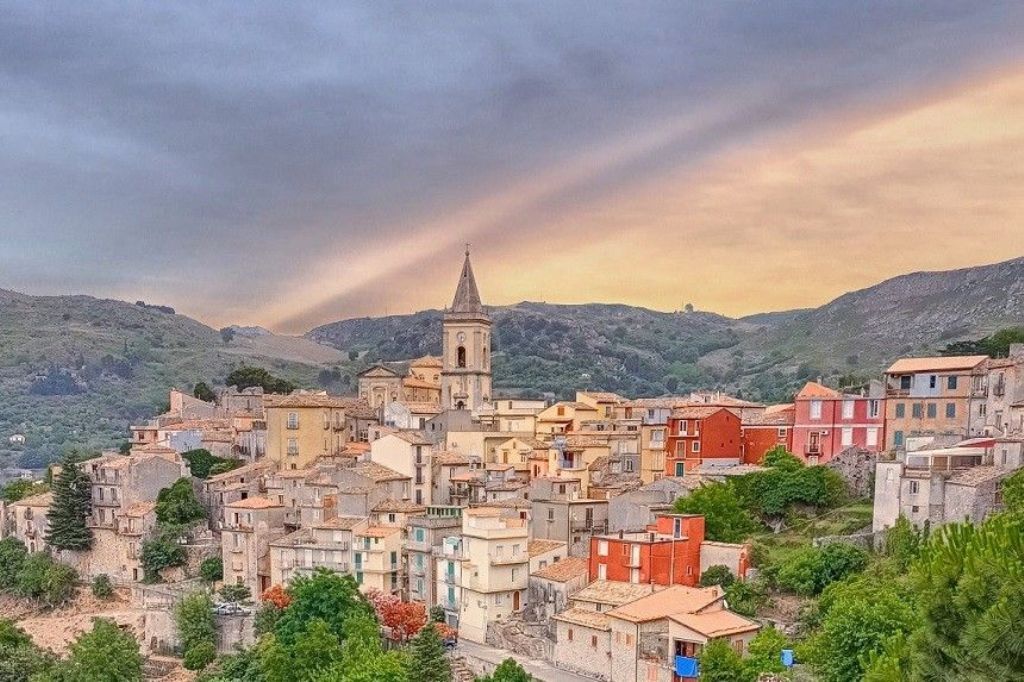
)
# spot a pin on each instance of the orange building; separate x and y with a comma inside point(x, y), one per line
point(667, 553)
point(768, 431)
point(699, 434)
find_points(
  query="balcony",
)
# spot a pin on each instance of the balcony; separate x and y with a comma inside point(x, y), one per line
point(591, 525)
point(419, 546)
point(449, 605)
point(450, 579)
point(510, 560)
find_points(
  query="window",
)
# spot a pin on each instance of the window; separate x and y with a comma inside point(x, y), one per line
point(602, 548)
point(293, 420)
point(568, 634)
point(933, 381)
point(683, 427)
point(680, 469)
point(551, 514)
point(460, 356)
point(874, 407)
point(950, 410)
point(625, 550)
point(872, 438)
point(982, 409)
point(901, 410)
point(916, 411)
point(847, 436)
point(815, 409)
point(848, 409)
point(696, 446)
point(933, 410)
point(897, 439)
point(602, 572)
point(905, 382)
point(783, 431)
point(658, 436)
point(293, 446)
point(593, 641)
point(915, 487)
point(951, 383)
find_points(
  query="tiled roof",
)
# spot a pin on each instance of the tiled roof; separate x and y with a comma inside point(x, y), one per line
point(715, 623)
point(426, 361)
point(612, 592)
point(378, 473)
point(671, 600)
point(254, 503)
point(605, 397)
point(413, 437)
point(978, 475)
point(695, 412)
point(341, 522)
point(399, 506)
point(139, 509)
point(812, 389)
point(564, 570)
point(450, 458)
point(40, 500)
point(939, 364)
point(415, 382)
point(378, 531)
point(309, 400)
point(585, 618)
point(422, 407)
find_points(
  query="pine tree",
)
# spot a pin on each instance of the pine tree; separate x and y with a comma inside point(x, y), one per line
point(427, 661)
point(71, 507)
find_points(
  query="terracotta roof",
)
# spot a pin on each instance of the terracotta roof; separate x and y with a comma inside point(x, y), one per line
point(785, 417)
point(341, 522)
point(812, 389)
point(695, 412)
point(604, 397)
point(399, 506)
point(978, 475)
point(378, 367)
point(576, 615)
point(254, 503)
point(416, 382)
point(413, 437)
point(309, 400)
point(947, 363)
point(468, 476)
point(577, 441)
point(671, 600)
point(378, 473)
point(422, 407)
point(497, 466)
point(715, 623)
point(427, 361)
point(40, 500)
point(449, 458)
point(564, 570)
point(612, 592)
point(378, 531)
point(253, 467)
point(138, 509)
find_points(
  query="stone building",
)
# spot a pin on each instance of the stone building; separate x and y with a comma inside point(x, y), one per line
point(551, 586)
point(249, 527)
point(561, 512)
point(327, 544)
point(466, 348)
point(304, 426)
point(27, 519)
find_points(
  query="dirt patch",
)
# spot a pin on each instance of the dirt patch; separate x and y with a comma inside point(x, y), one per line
point(56, 629)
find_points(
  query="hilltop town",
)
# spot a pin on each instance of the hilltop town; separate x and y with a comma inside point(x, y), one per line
point(604, 537)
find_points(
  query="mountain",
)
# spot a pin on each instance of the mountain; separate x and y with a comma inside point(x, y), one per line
point(559, 348)
point(76, 370)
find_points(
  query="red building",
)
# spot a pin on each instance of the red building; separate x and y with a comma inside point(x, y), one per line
point(768, 431)
point(668, 553)
point(828, 422)
point(699, 434)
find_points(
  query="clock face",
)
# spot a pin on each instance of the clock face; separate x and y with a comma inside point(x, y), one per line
point(461, 337)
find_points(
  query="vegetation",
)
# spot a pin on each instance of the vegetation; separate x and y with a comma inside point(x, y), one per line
point(996, 345)
point(203, 464)
point(20, 659)
point(104, 654)
point(178, 505)
point(725, 519)
point(45, 580)
point(203, 392)
point(197, 629)
point(427, 662)
point(235, 593)
point(247, 377)
point(101, 587)
point(506, 671)
point(162, 550)
point(717, 575)
point(719, 662)
point(71, 508)
point(811, 570)
point(22, 488)
point(212, 569)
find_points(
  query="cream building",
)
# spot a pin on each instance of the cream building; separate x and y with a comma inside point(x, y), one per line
point(495, 569)
point(28, 519)
point(409, 453)
point(249, 527)
point(466, 348)
point(304, 426)
point(377, 558)
point(327, 544)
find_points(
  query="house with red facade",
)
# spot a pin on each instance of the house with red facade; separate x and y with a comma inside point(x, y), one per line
point(702, 434)
point(672, 551)
point(771, 429)
point(828, 422)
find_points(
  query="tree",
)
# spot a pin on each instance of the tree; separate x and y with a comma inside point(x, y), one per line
point(235, 593)
point(202, 391)
point(12, 558)
point(353, 355)
point(212, 569)
point(308, 657)
point(507, 671)
point(71, 507)
point(104, 654)
point(20, 659)
point(427, 662)
point(227, 334)
point(178, 505)
point(403, 619)
point(1013, 491)
point(193, 617)
point(719, 662)
point(22, 488)
point(45, 580)
point(247, 377)
point(277, 595)
point(717, 575)
point(363, 659)
point(902, 544)
point(810, 570)
point(101, 587)
point(162, 551)
point(323, 594)
point(764, 655)
point(436, 614)
point(725, 520)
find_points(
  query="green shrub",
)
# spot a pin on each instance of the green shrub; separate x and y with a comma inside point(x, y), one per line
point(12, 558)
point(178, 505)
point(199, 656)
point(43, 579)
point(101, 587)
point(235, 593)
point(809, 570)
point(212, 569)
point(717, 575)
point(162, 551)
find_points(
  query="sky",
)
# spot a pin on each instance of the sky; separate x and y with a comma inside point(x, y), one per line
point(291, 164)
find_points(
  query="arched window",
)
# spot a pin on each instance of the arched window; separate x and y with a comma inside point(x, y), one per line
point(460, 405)
point(460, 357)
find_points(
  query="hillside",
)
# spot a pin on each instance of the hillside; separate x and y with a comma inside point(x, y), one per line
point(558, 348)
point(76, 370)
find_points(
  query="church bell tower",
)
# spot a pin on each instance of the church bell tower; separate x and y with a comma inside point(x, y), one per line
point(466, 344)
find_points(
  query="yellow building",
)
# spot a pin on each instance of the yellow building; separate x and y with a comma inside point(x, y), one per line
point(377, 558)
point(564, 417)
point(304, 426)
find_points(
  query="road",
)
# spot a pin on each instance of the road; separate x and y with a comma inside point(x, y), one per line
point(542, 671)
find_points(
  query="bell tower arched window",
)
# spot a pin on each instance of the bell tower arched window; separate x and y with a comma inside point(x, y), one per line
point(460, 357)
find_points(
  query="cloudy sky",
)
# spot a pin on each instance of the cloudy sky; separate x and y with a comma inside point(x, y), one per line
point(288, 164)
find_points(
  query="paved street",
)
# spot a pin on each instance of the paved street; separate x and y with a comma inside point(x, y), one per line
point(541, 670)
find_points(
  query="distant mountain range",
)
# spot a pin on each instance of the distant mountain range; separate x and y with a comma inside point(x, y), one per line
point(78, 370)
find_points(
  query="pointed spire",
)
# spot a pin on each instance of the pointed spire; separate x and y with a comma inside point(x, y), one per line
point(467, 297)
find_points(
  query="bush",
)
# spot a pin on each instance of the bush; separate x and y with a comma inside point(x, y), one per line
point(809, 570)
point(717, 575)
point(101, 587)
point(43, 579)
point(235, 593)
point(178, 505)
point(161, 551)
point(212, 569)
point(725, 520)
point(199, 656)
point(12, 558)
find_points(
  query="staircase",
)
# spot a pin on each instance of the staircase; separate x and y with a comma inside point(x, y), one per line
point(159, 667)
point(460, 670)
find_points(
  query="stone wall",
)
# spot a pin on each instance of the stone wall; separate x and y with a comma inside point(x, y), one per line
point(857, 468)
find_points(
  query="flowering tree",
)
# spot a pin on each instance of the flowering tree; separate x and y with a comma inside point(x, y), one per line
point(277, 596)
point(404, 619)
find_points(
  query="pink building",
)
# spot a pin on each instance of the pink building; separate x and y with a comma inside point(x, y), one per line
point(828, 422)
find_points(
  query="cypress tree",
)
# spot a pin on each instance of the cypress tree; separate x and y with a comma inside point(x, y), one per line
point(71, 507)
point(427, 662)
